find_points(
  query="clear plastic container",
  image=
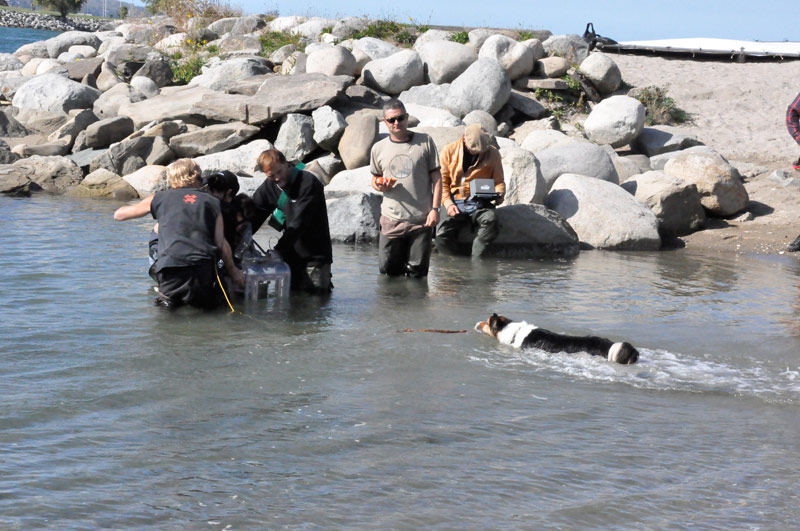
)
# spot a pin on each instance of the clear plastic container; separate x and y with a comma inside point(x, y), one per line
point(266, 277)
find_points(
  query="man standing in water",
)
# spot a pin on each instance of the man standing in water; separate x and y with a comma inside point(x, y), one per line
point(405, 168)
point(190, 237)
point(793, 124)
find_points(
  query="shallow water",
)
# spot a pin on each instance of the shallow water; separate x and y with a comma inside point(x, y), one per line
point(118, 414)
point(12, 38)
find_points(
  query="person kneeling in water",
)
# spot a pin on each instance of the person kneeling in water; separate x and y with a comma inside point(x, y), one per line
point(190, 236)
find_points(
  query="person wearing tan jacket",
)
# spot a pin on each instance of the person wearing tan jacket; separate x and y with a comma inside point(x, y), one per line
point(468, 158)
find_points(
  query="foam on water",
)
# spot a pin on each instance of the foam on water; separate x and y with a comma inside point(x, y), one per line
point(659, 370)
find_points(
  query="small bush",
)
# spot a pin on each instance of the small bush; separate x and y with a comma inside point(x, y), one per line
point(183, 70)
point(405, 38)
point(272, 40)
point(524, 35)
point(461, 37)
point(661, 109)
point(379, 29)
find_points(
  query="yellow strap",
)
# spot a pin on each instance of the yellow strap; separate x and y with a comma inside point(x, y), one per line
point(223, 289)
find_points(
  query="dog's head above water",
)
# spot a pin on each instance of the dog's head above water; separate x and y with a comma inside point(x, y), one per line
point(522, 334)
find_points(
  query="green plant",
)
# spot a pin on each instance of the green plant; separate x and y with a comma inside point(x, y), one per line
point(123, 12)
point(272, 40)
point(212, 49)
point(660, 108)
point(524, 35)
point(379, 29)
point(183, 70)
point(405, 38)
point(327, 30)
point(62, 6)
point(461, 37)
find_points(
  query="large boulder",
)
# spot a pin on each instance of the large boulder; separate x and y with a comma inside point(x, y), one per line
point(540, 140)
point(657, 162)
point(582, 158)
point(333, 61)
point(52, 174)
point(431, 95)
point(242, 160)
point(329, 126)
point(526, 105)
point(483, 86)
point(144, 86)
point(286, 23)
point(296, 137)
point(61, 43)
point(395, 73)
point(314, 27)
point(354, 218)
point(109, 102)
point(516, 58)
point(603, 214)
point(662, 139)
point(676, 204)
point(173, 103)
point(441, 136)
point(347, 26)
point(357, 140)
point(602, 71)
point(248, 24)
point(225, 74)
point(486, 120)
point(431, 35)
point(478, 36)
point(105, 132)
point(445, 60)
point(349, 182)
point(126, 157)
point(9, 62)
point(571, 47)
point(374, 48)
point(147, 180)
point(119, 54)
point(300, 93)
point(211, 139)
point(552, 67)
point(103, 183)
point(616, 121)
point(719, 183)
point(524, 181)
point(14, 183)
point(54, 93)
point(223, 25)
point(84, 68)
point(6, 155)
point(431, 116)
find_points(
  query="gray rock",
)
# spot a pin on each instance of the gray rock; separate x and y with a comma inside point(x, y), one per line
point(657, 162)
point(295, 64)
point(61, 43)
point(395, 73)
point(524, 104)
point(333, 61)
point(145, 86)
point(329, 126)
point(286, 23)
point(44, 122)
point(616, 121)
point(77, 70)
point(361, 95)
point(445, 60)
point(54, 93)
point(483, 86)
point(324, 168)
point(524, 181)
point(83, 157)
point(55, 148)
point(70, 130)
point(300, 93)
point(441, 136)
point(9, 126)
point(540, 140)
point(719, 184)
point(483, 118)
point(429, 36)
point(127, 53)
point(478, 36)
point(312, 28)
point(223, 25)
point(34, 49)
point(296, 137)
point(9, 62)
point(107, 131)
point(348, 26)
point(582, 158)
point(129, 155)
point(107, 78)
point(104, 184)
point(173, 103)
point(109, 102)
point(431, 95)
point(354, 218)
point(6, 156)
point(571, 47)
point(536, 47)
point(675, 203)
point(239, 44)
point(225, 74)
point(248, 24)
point(374, 48)
point(603, 214)
point(352, 182)
point(663, 139)
point(241, 161)
point(357, 140)
point(14, 183)
point(431, 116)
point(52, 174)
point(211, 139)
point(515, 58)
point(784, 178)
point(69, 57)
point(157, 68)
point(552, 67)
point(9, 84)
point(602, 71)
point(282, 53)
point(148, 180)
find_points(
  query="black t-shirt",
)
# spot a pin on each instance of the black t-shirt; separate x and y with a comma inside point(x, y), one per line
point(186, 218)
point(306, 235)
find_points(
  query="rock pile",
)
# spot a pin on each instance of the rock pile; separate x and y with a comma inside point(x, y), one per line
point(99, 114)
point(15, 19)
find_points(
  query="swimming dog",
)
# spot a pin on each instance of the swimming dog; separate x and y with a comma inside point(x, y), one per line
point(524, 335)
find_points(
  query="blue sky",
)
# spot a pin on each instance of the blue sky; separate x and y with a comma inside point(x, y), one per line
point(620, 20)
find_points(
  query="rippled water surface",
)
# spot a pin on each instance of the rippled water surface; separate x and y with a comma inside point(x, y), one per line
point(118, 414)
point(13, 38)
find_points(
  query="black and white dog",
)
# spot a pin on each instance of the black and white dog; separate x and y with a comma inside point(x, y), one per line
point(524, 335)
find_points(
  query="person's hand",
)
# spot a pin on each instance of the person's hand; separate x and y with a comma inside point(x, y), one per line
point(383, 184)
point(452, 211)
point(238, 277)
point(433, 218)
point(499, 200)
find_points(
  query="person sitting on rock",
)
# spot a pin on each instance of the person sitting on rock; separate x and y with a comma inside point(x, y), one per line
point(468, 158)
point(793, 124)
point(292, 201)
point(190, 239)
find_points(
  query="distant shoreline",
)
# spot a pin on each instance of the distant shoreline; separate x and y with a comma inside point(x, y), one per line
point(11, 18)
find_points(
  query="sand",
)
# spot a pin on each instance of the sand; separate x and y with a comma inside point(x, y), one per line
point(739, 110)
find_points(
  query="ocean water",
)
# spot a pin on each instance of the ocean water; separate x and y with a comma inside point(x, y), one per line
point(119, 414)
point(12, 38)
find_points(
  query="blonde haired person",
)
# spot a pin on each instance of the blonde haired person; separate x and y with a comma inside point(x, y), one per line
point(190, 239)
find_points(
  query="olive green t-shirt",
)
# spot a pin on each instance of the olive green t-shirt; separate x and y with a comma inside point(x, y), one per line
point(411, 163)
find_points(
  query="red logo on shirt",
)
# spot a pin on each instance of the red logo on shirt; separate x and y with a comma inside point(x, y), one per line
point(189, 198)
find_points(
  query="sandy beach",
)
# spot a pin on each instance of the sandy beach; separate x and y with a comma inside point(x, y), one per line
point(738, 109)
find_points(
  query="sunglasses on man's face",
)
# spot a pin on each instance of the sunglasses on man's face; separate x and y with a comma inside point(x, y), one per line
point(396, 119)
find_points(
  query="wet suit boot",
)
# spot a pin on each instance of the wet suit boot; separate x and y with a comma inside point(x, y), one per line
point(794, 246)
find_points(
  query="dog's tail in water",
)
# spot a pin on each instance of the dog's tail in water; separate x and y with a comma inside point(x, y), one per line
point(623, 353)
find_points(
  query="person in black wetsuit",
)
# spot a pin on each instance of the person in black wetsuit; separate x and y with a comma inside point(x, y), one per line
point(190, 238)
point(293, 201)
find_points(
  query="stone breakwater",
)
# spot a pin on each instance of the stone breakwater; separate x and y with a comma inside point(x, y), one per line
point(14, 19)
point(99, 114)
